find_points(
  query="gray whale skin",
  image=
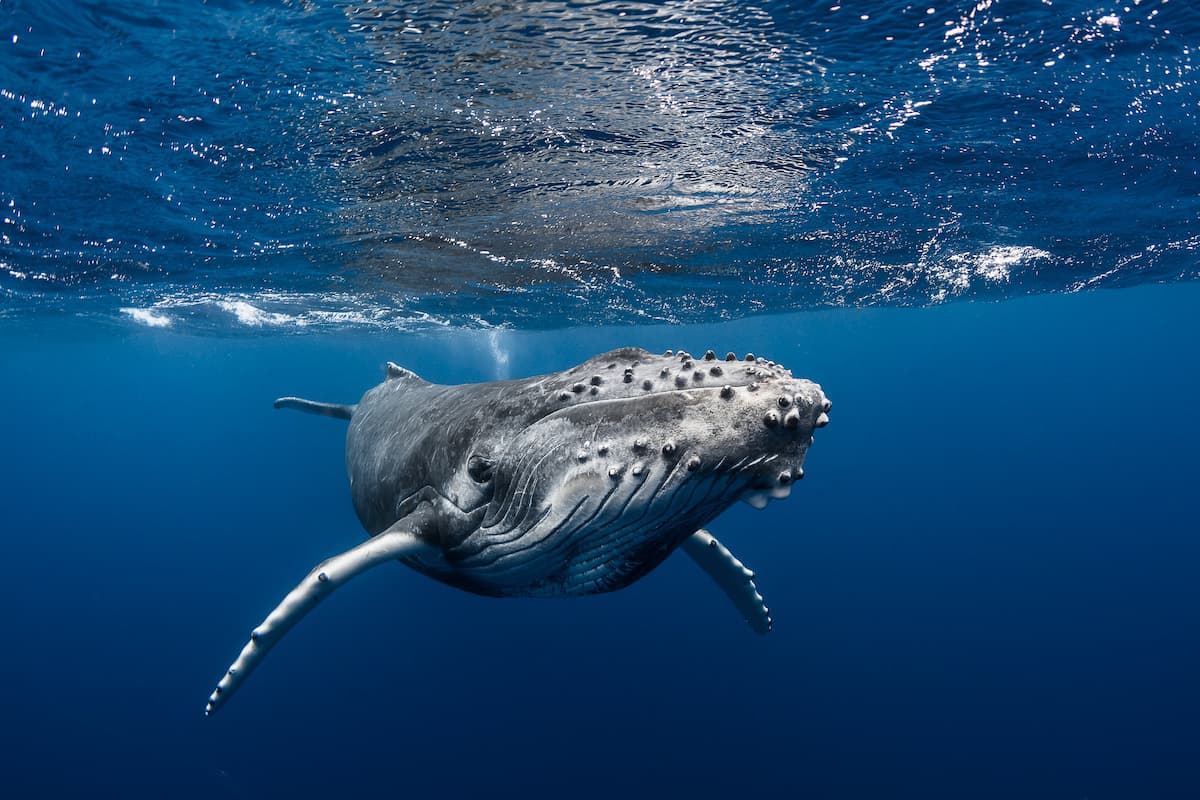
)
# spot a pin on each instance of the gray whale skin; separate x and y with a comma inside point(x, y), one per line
point(571, 483)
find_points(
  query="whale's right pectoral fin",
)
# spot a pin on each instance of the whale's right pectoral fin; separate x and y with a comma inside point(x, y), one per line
point(731, 575)
point(402, 539)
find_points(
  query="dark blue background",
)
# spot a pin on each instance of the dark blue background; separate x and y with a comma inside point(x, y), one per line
point(985, 587)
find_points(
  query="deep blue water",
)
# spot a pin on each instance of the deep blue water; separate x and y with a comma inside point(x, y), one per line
point(985, 586)
point(975, 224)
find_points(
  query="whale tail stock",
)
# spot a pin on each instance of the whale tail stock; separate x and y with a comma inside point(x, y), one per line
point(335, 410)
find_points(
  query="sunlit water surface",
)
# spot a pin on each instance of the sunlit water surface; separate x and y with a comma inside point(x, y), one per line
point(295, 164)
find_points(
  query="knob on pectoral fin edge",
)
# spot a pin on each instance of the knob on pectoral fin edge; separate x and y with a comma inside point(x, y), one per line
point(731, 575)
point(400, 540)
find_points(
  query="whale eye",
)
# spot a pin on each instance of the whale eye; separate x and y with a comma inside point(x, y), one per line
point(480, 468)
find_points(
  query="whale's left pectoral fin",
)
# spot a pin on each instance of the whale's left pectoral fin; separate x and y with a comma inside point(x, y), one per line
point(731, 575)
point(401, 539)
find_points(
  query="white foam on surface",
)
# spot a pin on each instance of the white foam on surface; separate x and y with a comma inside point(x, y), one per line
point(286, 311)
point(253, 316)
point(995, 264)
point(148, 317)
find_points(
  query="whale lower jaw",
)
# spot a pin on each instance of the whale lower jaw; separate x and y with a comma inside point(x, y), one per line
point(758, 498)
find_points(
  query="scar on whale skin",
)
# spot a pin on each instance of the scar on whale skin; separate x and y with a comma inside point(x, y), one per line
point(571, 483)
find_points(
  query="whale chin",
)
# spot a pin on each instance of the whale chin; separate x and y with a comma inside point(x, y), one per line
point(759, 498)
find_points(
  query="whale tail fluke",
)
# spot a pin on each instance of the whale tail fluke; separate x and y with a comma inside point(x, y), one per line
point(335, 410)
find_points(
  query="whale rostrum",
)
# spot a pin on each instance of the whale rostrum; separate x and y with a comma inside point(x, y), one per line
point(572, 483)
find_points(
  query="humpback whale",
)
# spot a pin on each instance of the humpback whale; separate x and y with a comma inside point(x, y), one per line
point(571, 483)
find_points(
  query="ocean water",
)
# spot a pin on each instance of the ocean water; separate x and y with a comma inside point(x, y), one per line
point(975, 224)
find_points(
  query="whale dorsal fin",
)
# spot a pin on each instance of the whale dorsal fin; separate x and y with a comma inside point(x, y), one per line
point(393, 371)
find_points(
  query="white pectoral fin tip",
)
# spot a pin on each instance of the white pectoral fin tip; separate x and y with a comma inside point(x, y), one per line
point(393, 543)
point(734, 578)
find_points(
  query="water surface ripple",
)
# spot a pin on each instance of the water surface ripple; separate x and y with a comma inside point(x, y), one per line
point(551, 163)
